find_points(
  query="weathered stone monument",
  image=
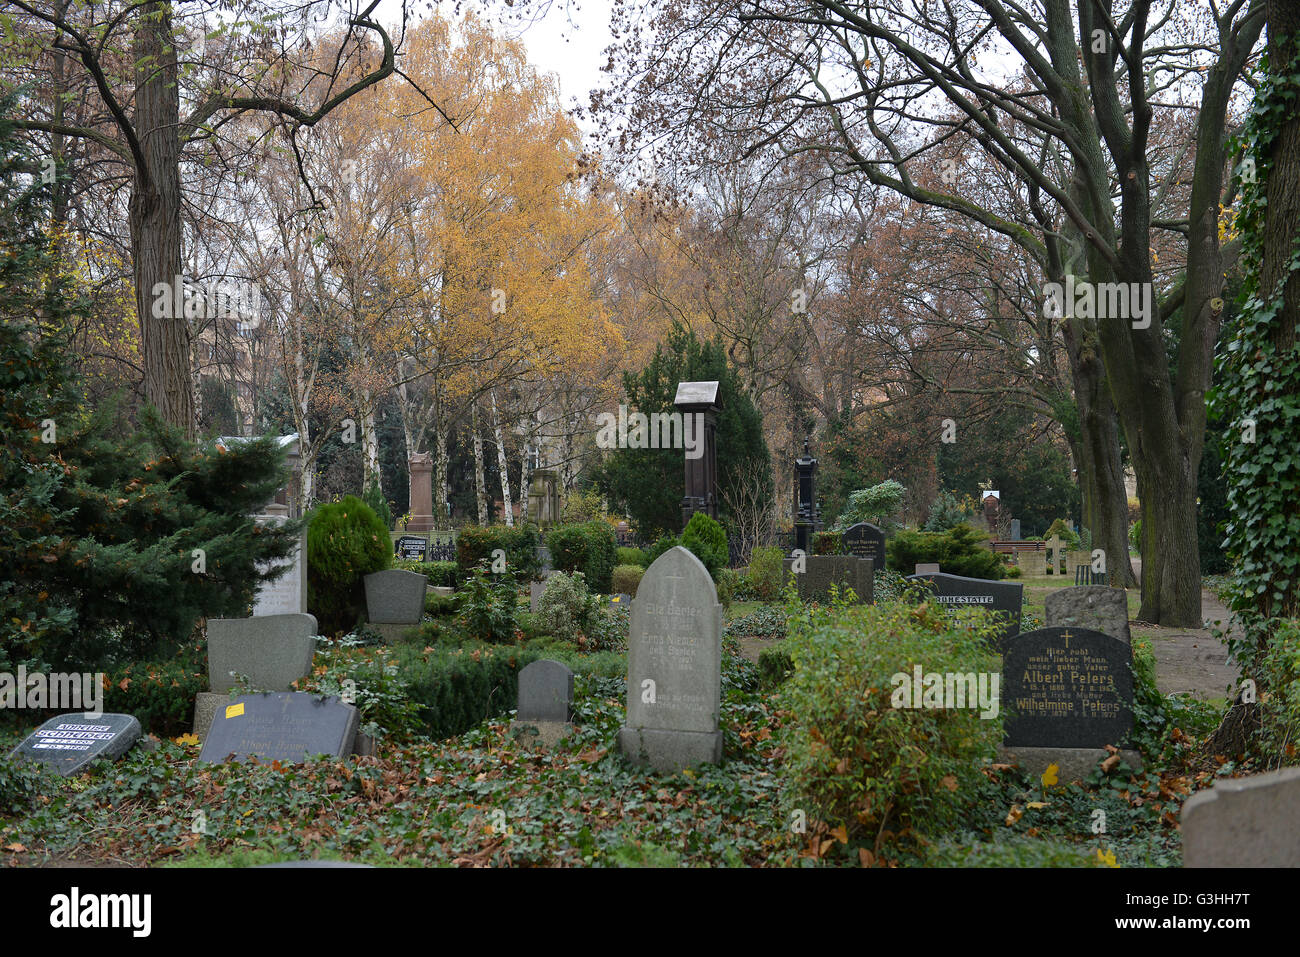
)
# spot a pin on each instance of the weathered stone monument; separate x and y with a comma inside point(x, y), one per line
point(545, 702)
point(822, 571)
point(806, 519)
point(1244, 822)
point(544, 498)
point(68, 743)
point(395, 601)
point(411, 548)
point(866, 541)
point(1032, 562)
point(272, 651)
point(287, 727)
point(1090, 606)
point(1067, 693)
point(420, 470)
point(674, 666)
point(698, 403)
point(288, 593)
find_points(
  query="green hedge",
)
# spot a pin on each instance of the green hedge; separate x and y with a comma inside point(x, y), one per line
point(959, 551)
point(590, 548)
point(633, 556)
point(442, 574)
point(159, 693)
point(345, 542)
point(626, 579)
point(475, 543)
point(828, 543)
point(708, 540)
point(457, 689)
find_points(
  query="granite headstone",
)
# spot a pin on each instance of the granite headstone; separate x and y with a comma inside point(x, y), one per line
point(1090, 606)
point(1252, 821)
point(866, 541)
point(69, 742)
point(395, 597)
point(1002, 598)
point(273, 651)
point(285, 727)
point(411, 548)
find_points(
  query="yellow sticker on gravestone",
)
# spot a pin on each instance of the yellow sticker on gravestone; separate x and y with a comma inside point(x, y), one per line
point(234, 710)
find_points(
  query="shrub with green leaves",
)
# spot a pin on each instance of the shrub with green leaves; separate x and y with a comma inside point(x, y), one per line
point(1069, 540)
point(345, 542)
point(874, 505)
point(440, 574)
point(486, 605)
point(708, 540)
point(774, 668)
point(374, 497)
point(382, 695)
point(661, 546)
point(947, 511)
point(633, 556)
point(828, 543)
point(852, 758)
point(766, 572)
point(457, 688)
point(590, 548)
point(476, 543)
point(959, 551)
point(160, 693)
point(625, 579)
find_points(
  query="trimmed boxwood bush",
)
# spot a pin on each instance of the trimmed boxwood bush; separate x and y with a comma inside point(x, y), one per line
point(475, 543)
point(661, 546)
point(633, 556)
point(765, 571)
point(959, 551)
point(441, 574)
point(590, 548)
point(708, 540)
point(854, 759)
point(625, 579)
point(458, 688)
point(345, 542)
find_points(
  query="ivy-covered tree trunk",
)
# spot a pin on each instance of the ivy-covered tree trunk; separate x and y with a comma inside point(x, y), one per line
point(1282, 188)
point(155, 222)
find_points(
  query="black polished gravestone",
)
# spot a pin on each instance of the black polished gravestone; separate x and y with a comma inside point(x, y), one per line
point(69, 742)
point(1067, 688)
point(865, 541)
point(286, 726)
point(957, 591)
point(411, 548)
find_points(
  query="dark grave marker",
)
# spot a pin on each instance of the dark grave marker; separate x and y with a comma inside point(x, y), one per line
point(545, 691)
point(866, 541)
point(1002, 598)
point(620, 600)
point(412, 548)
point(69, 742)
point(286, 727)
point(1067, 688)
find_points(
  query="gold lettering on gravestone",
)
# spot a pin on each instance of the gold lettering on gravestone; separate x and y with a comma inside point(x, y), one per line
point(1068, 683)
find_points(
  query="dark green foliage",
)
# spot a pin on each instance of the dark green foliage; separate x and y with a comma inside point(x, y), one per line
point(440, 574)
point(661, 546)
point(946, 512)
point(633, 556)
point(646, 485)
point(827, 543)
point(766, 571)
point(458, 688)
point(590, 548)
point(774, 668)
point(486, 604)
point(959, 551)
point(160, 693)
point(345, 542)
point(374, 497)
point(21, 783)
point(476, 543)
point(626, 578)
point(708, 540)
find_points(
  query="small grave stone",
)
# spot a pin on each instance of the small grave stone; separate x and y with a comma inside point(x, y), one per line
point(927, 568)
point(620, 600)
point(674, 666)
point(287, 595)
point(411, 548)
point(1015, 529)
point(1056, 555)
point(273, 651)
point(535, 590)
point(1067, 693)
point(866, 541)
point(1002, 598)
point(1090, 606)
point(1244, 822)
point(69, 742)
point(821, 571)
point(545, 700)
point(395, 597)
point(285, 727)
point(1033, 564)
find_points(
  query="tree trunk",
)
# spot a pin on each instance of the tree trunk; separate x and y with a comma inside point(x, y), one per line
point(480, 482)
point(1282, 188)
point(526, 467)
point(502, 464)
point(369, 442)
point(441, 460)
point(155, 224)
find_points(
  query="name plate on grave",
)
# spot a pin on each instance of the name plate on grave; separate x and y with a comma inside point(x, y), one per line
point(285, 727)
point(1067, 688)
point(411, 548)
point(958, 591)
point(70, 742)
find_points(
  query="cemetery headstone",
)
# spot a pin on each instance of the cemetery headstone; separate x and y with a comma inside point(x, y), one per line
point(420, 471)
point(411, 548)
point(1015, 530)
point(866, 541)
point(674, 666)
point(1055, 556)
point(1244, 822)
point(1032, 563)
point(395, 596)
point(1090, 606)
point(287, 595)
point(821, 571)
point(927, 568)
point(1067, 693)
point(285, 727)
point(1002, 598)
point(545, 700)
point(621, 600)
point(68, 743)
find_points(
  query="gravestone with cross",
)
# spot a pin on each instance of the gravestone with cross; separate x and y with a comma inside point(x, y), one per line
point(674, 666)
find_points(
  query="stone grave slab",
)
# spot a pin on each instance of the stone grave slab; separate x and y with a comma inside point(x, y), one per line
point(1244, 822)
point(272, 650)
point(287, 595)
point(287, 727)
point(1001, 597)
point(1033, 564)
point(927, 568)
point(620, 600)
point(674, 666)
point(411, 548)
point(68, 743)
point(865, 541)
point(395, 597)
point(1097, 607)
point(545, 700)
point(821, 571)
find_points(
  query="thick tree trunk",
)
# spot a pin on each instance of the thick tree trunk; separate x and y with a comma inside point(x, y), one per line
point(480, 481)
point(502, 464)
point(1282, 189)
point(155, 224)
point(441, 460)
point(369, 442)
